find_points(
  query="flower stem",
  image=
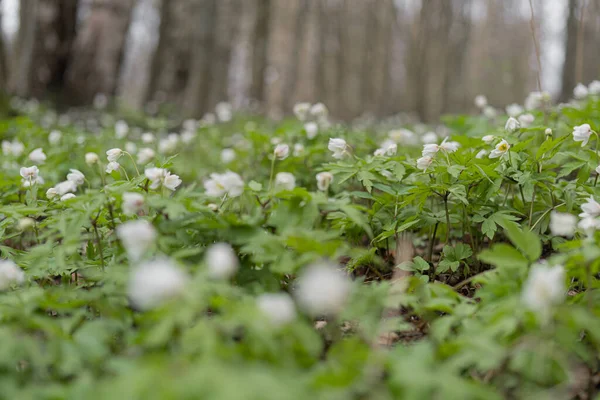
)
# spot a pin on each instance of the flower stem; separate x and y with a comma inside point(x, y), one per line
point(133, 161)
point(272, 173)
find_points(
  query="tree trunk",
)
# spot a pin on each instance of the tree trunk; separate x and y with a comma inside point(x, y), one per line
point(568, 71)
point(44, 42)
point(98, 50)
point(260, 47)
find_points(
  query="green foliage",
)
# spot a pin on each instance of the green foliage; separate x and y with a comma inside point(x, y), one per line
point(439, 258)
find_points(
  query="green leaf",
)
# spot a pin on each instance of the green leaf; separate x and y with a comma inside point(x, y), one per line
point(526, 241)
point(503, 255)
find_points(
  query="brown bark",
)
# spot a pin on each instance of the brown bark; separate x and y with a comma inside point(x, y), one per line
point(43, 47)
point(98, 50)
point(259, 49)
point(568, 71)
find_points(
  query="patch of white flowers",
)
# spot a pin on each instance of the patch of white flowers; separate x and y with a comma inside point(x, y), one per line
point(322, 290)
point(160, 177)
point(137, 237)
point(154, 282)
point(221, 261)
point(10, 274)
point(228, 183)
point(544, 288)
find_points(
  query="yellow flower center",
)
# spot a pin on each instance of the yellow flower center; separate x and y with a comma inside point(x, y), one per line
point(503, 147)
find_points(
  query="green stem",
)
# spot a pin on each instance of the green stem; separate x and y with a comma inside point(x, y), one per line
point(272, 173)
point(447, 218)
point(134, 164)
point(546, 213)
point(430, 253)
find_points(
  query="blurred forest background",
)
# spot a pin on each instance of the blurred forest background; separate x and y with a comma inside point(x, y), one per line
point(376, 57)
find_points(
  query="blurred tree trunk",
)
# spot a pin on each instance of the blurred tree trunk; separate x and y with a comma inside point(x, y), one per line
point(568, 71)
point(330, 61)
point(260, 47)
point(226, 25)
point(3, 58)
point(196, 94)
point(281, 55)
point(382, 15)
point(43, 46)
point(307, 54)
point(172, 68)
point(354, 61)
point(98, 50)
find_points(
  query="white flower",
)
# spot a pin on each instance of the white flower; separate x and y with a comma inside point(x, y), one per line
point(594, 88)
point(279, 308)
point(54, 137)
point(480, 101)
point(10, 274)
point(285, 180)
point(212, 206)
point(488, 139)
point(562, 224)
point(130, 147)
point(580, 91)
point(51, 193)
point(319, 110)
point(500, 150)
point(100, 101)
point(526, 120)
point(598, 169)
point(379, 153)
point(28, 183)
point(338, 147)
point(25, 224)
point(76, 177)
point(121, 129)
point(224, 111)
point(424, 162)
point(430, 150)
point(582, 134)
point(67, 196)
point(403, 136)
point(322, 290)
point(37, 156)
point(29, 173)
point(227, 156)
point(301, 111)
point(161, 177)
point(429, 137)
point(591, 208)
point(298, 150)
point(154, 282)
point(512, 125)
point(513, 110)
point(536, 100)
point(208, 119)
point(282, 151)
point(112, 166)
point(276, 140)
point(14, 148)
point(65, 187)
point(311, 129)
point(389, 147)
point(490, 112)
point(91, 158)
point(114, 154)
point(548, 132)
point(148, 138)
point(169, 144)
point(145, 155)
point(188, 136)
point(589, 225)
point(137, 237)
point(544, 288)
point(221, 261)
point(482, 153)
point(132, 203)
point(449, 147)
point(228, 183)
point(324, 179)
